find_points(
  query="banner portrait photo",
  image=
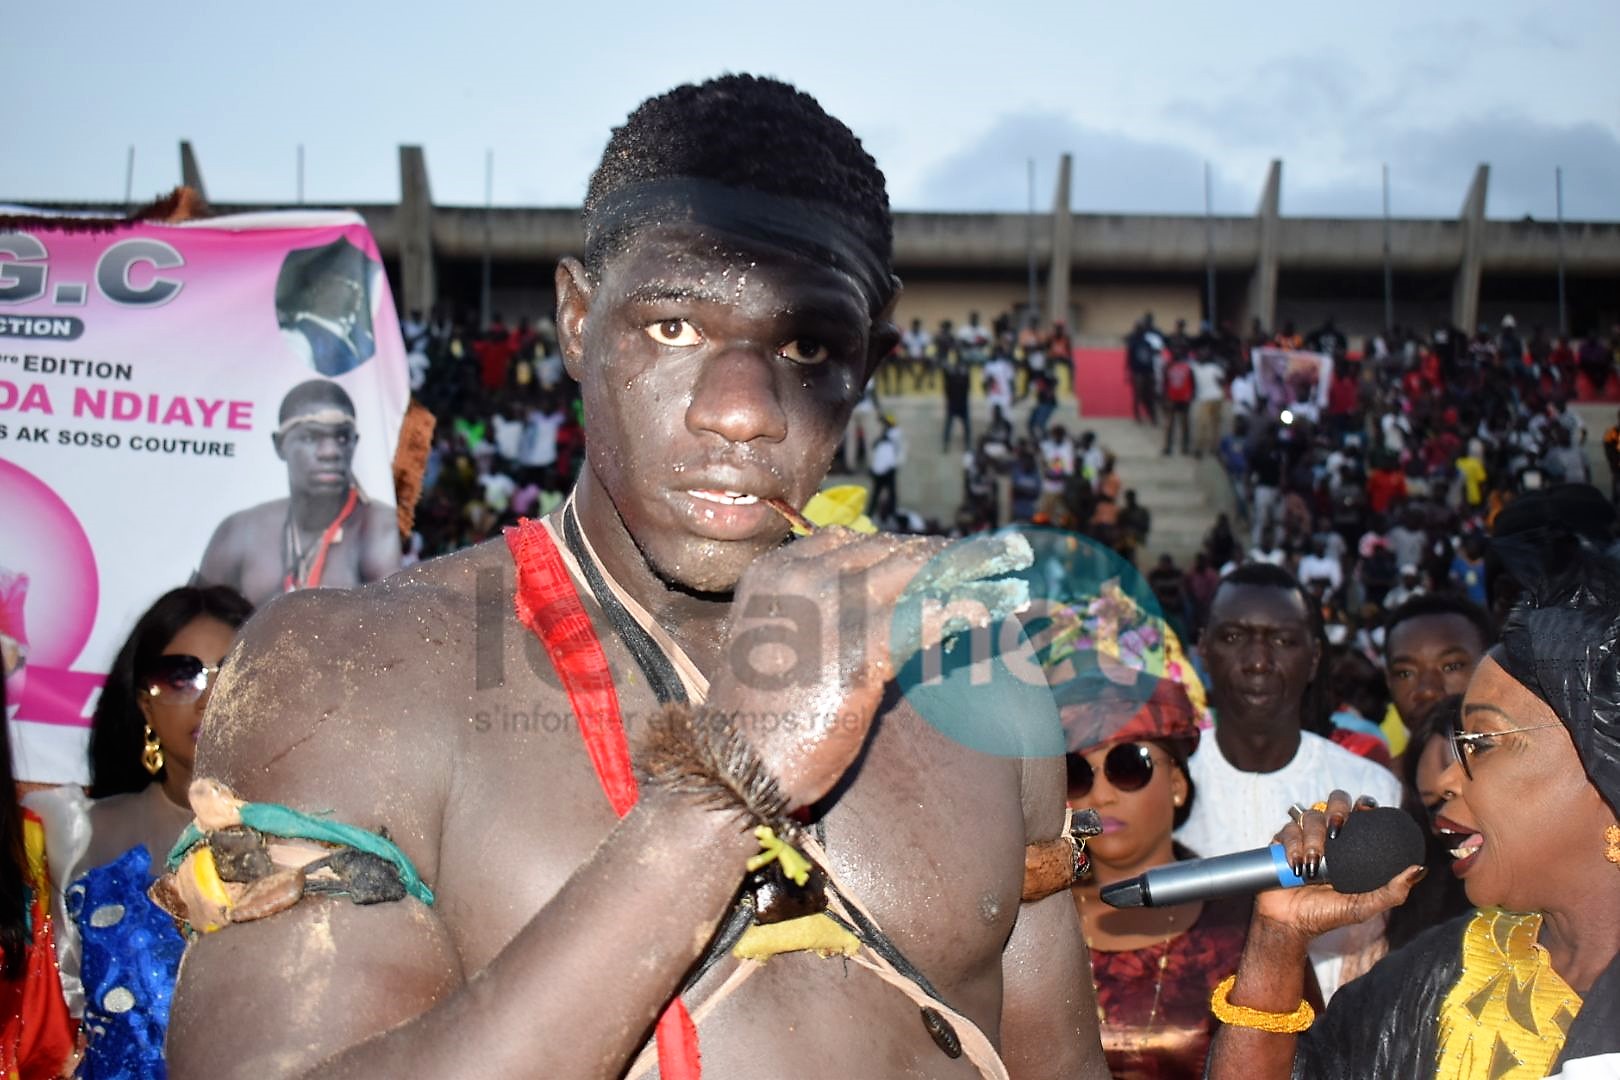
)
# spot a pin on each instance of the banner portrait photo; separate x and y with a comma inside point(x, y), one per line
point(177, 403)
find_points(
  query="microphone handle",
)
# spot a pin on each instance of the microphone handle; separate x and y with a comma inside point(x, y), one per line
point(1241, 873)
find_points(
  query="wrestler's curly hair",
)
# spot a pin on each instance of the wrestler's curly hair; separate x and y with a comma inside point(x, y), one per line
point(747, 132)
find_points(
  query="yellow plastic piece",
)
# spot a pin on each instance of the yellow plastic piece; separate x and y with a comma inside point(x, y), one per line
point(843, 505)
point(774, 849)
point(1395, 731)
point(206, 875)
point(809, 933)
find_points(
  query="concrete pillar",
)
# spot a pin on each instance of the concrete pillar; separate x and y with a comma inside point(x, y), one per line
point(418, 283)
point(1057, 276)
point(1465, 293)
point(190, 174)
point(1262, 303)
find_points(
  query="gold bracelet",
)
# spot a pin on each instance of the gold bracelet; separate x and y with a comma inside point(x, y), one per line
point(1291, 1023)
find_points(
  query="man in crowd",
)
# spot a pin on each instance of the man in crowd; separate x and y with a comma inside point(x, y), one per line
point(946, 350)
point(1408, 587)
point(326, 532)
point(537, 452)
point(1143, 350)
point(1135, 523)
point(1564, 460)
point(999, 375)
point(958, 379)
point(1596, 362)
point(1209, 396)
point(495, 353)
point(888, 454)
point(974, 340)
point(1179, 390)
point(914, 347)
point(1320, 571)
point(571, 898)
point(1265, 465)
point(1263, 647)
point(1432, 643)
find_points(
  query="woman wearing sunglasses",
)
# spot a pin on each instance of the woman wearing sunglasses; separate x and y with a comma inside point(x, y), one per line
point(1153, 967)
point(118, 951)
point(1529, 985)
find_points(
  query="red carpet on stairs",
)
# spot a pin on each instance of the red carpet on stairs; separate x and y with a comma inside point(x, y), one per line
point(1100, 382)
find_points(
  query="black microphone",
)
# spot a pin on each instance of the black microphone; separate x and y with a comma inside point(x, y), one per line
point(1371, 848)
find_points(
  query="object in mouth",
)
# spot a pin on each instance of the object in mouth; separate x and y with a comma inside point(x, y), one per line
point(793, 517)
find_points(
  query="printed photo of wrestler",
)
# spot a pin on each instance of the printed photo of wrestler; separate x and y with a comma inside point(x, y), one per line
point(327, 533)
point(323, 306)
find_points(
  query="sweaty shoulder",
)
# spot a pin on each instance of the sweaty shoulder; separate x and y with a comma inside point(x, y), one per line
point(352, 703)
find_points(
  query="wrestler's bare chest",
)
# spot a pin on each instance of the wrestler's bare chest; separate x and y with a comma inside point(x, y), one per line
point(928, 833)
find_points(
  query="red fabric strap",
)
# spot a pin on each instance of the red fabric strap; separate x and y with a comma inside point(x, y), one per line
point(313, 581)
point(548, 604)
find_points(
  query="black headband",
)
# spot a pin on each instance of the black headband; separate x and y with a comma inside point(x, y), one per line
point(813, 230)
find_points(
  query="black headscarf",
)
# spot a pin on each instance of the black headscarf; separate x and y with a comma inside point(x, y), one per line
point(1562, 641)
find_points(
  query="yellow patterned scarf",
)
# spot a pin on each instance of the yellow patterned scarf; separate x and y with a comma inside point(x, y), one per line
point(1507, 1016)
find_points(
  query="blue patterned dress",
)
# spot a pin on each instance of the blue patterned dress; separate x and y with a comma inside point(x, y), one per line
point(131, 954)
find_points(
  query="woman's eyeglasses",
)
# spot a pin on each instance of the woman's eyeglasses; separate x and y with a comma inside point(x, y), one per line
point(1128, 766)
point(1466, 744)
point(179, 678)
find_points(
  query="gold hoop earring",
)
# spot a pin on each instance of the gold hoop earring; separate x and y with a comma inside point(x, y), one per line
point(1612, 851)
point(152, 752)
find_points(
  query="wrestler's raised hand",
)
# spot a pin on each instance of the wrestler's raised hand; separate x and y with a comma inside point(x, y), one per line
point(814, 640)
point(1312, 910)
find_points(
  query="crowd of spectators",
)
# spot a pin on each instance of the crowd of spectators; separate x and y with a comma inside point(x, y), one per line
point(1034, 471)
point(508, 440)
point(1374, 475)
point(1374, 478)
point(1377, 476)
point(1382, 474)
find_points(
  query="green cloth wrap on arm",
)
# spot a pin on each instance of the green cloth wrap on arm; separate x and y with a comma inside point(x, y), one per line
point(277, 820)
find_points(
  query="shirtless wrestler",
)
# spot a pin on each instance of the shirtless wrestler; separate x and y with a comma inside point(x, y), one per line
point(326, 532)
point(734, 298)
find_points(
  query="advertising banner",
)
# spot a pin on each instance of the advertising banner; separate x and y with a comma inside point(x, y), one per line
point(215, 401)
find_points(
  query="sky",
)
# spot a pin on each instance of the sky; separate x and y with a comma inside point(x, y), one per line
point(953, 99)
